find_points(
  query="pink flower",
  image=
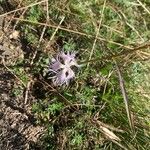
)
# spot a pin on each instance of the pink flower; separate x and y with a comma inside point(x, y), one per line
point(61, 65)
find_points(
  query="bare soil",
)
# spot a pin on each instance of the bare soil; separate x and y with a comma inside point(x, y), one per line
point(18, 128)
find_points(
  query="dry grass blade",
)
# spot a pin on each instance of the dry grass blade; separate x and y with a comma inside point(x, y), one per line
point(109, 133)
point(72, 31)
point(52, 37)
point(62, 98)
point(131, 26)
point(31, 5)
point(27, 92)
point(125, 52)
point(106, 130)
point(21, 16)
point(97, 33)
point(42, 34)
point(13, 74)
point(8, 24)
point(125, 97)
point(109, 126)
point(143, 6)
point(120, 145)
point(41, 37)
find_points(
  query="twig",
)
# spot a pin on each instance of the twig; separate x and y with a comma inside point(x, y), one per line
point(125, 97)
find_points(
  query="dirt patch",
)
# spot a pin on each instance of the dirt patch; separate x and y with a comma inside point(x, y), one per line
point(18, 129)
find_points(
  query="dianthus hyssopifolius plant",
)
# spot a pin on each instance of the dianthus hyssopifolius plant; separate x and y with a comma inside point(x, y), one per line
point(61, 68)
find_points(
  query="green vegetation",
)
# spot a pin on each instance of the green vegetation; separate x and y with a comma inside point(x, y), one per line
point(90, 113)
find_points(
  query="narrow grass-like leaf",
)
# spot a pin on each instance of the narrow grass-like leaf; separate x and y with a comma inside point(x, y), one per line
point(125, 97)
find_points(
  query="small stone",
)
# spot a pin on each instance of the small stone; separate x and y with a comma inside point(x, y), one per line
point(14, 35)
